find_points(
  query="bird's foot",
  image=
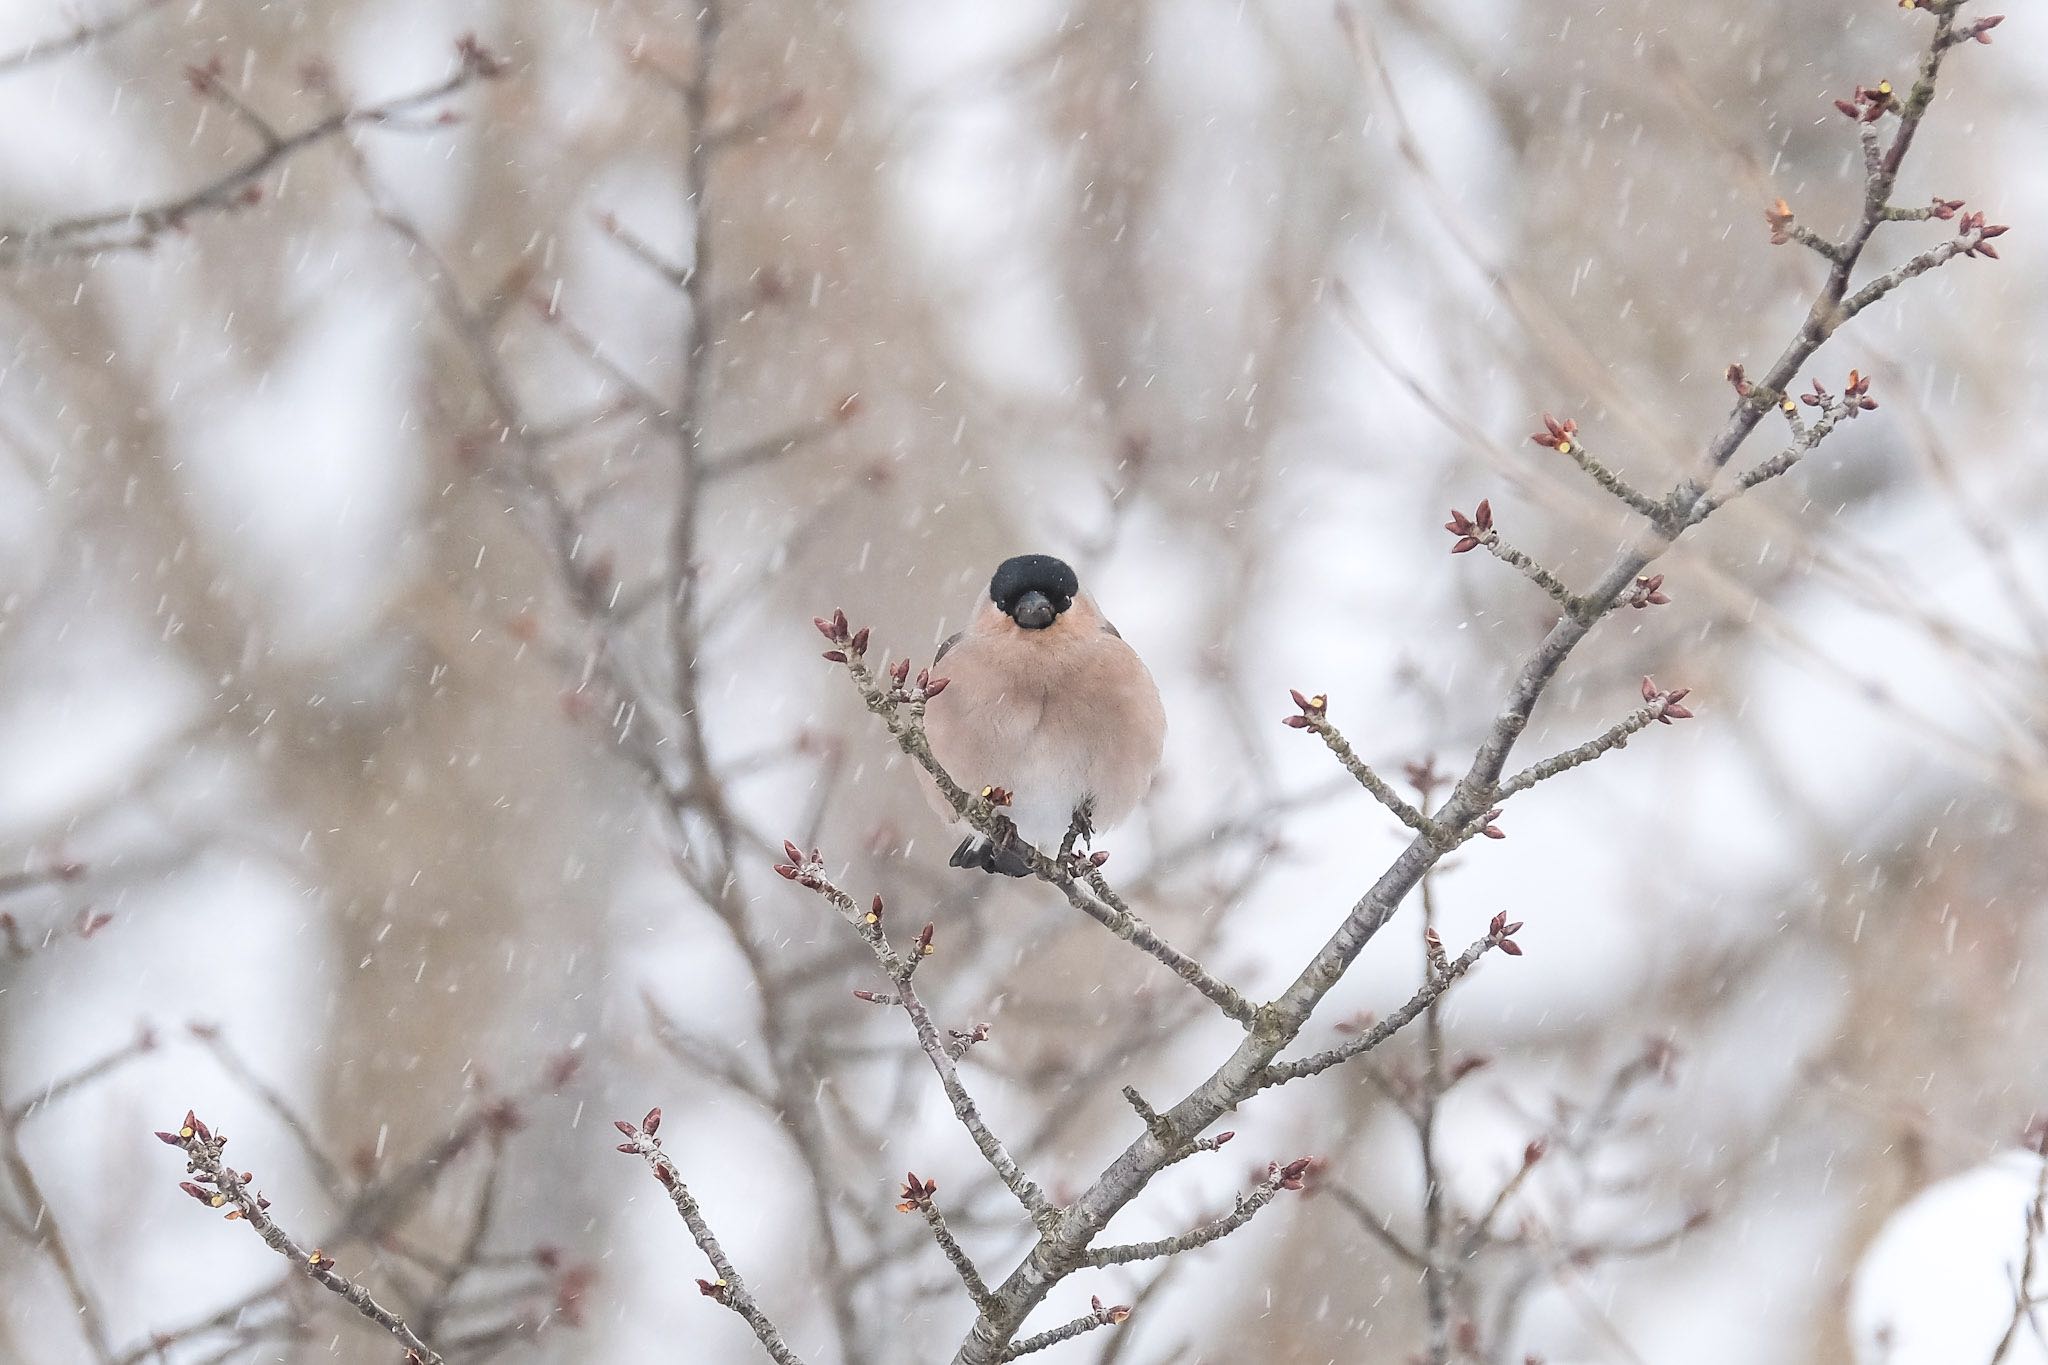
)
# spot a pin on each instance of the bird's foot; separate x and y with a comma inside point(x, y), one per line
point(1080, 830)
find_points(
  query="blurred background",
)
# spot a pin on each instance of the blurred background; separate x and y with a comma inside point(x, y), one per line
point(406, 677)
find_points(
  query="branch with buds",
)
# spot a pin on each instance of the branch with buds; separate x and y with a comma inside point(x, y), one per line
point(1661, 707)
point(642, 1140)
point(1098, 1315)
point(218, 1185)
point(1292, 1176)
point(1562, 436)
point(1445, 973)
point(919, 1196)
point(808, 871)
point(1315, 716)
point(1477, 531)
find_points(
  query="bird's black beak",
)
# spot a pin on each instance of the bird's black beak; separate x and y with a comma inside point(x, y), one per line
point(1033, 611)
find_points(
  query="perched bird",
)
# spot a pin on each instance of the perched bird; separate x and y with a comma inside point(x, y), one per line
point(1046, 701)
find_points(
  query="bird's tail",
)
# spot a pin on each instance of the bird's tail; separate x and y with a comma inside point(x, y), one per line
point(976, 851)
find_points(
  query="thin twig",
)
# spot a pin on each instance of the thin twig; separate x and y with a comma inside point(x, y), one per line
point(2023, 1300)
point(1279, 1073)
point(77, 39)
point(1248, 1205)
point(1615, 736)
point(219, 1184)
point(1615, 486)
point(1098, 1316)
point(809, 872)
point(134, 228)
point(728, 1289)
point(963, 1265)
point(1571, 602)
point(1315, 716)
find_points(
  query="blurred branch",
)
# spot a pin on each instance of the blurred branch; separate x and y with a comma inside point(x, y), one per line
point(40, 1226)
point(1376, 1224)
point(77, 39)
point(2024, 1300)
point(239, 188)
point(239, 1070)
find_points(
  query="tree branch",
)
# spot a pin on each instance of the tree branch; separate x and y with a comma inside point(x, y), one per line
point(218, 1184)
point(728, 1289)
point(917, 1195)
point(1278, 1178)
point(1662, 707)
point(77, 39)
point(809, 872)
point(1097, 1316)
point(1315, 716)
point(135, 228)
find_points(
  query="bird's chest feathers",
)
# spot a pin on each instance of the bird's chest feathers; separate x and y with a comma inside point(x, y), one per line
point(1048, 695)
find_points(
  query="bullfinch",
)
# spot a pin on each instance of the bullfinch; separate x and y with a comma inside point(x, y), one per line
point(1048, 702)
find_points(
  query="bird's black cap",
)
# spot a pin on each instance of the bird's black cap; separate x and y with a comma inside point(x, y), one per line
point(1033, 573)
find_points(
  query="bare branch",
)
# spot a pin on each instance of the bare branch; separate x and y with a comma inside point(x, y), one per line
point(809, 872)
point(77, 39)
point(1562, 436)
point(1097, 1316)
point(1662, 707)
point(1315, 716)
point(918, 1195)
point(728, 1288)
point(239, 188)
point(1279, 1073)
point(1278, 1178)
point(218, 1184)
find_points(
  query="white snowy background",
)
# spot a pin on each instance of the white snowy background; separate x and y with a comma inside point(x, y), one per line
point(1153, 286)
